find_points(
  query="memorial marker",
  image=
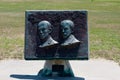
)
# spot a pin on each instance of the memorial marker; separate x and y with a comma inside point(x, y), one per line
point(56, 36)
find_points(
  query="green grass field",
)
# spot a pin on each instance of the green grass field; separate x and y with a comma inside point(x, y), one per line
point(103, 21)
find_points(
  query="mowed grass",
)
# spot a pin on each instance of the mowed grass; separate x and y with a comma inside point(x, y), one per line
point(103, 23)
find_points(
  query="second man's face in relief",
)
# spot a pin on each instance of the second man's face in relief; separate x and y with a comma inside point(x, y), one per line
point(66, 31)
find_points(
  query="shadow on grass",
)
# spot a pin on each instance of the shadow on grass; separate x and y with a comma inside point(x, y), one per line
point(38, 77)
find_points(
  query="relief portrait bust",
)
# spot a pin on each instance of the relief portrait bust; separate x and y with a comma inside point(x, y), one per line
point(47, 44)
point(66, 32)
point(44, 30)
point(69, 44)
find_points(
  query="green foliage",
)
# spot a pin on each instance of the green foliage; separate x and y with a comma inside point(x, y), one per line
point(103, 21)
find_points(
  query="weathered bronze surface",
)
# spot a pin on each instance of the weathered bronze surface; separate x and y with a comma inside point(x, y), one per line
point(56, 35)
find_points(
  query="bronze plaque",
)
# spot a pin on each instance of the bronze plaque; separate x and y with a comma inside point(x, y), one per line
point(56, 35)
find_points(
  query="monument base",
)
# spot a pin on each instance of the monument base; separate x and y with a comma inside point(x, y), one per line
point(57, 68)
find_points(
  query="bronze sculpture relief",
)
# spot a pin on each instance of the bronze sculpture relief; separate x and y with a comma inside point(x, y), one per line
point(56, 35)
point(66, 32)
point(44, 30)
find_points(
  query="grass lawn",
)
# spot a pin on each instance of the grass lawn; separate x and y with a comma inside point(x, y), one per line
point(103, 21)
